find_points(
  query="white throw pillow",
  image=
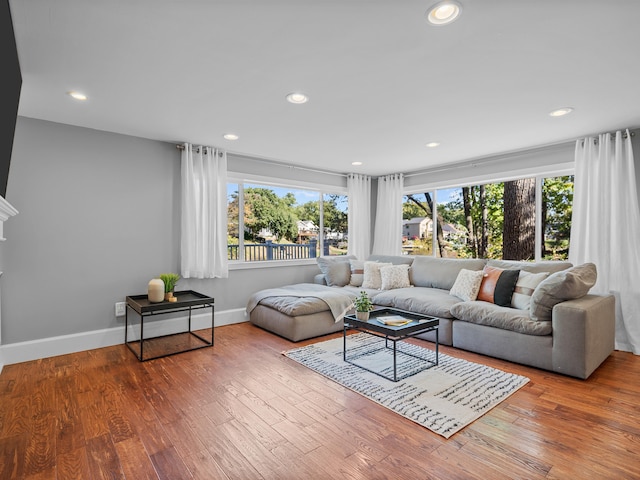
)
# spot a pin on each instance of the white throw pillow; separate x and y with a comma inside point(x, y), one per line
point(467, 284)
point(394, 276)
point(372, 278)
point(525, 286)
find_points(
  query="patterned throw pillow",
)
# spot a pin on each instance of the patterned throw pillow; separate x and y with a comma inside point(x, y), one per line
point(372, 278)
point(525, 286)
point(467, 284)
point(497, 285)
point(394, 276)
point(357, 272)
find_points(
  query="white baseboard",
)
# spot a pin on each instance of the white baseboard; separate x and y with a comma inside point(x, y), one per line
point(79, 342)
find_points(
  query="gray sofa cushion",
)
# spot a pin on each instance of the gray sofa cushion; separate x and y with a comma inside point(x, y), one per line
point(394, 259)
point(506, 318)
point(295, 306)
point(560, 286)
point(428, 301)
point(441, 272)
point(537, 267)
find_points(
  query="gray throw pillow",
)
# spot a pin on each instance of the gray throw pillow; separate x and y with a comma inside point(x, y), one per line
point(337, 270)
point(567, 284)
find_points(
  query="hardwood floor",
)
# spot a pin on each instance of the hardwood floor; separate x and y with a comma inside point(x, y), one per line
point(241, 410)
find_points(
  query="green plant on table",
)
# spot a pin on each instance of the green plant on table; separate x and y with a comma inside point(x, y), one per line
point(170, 280)
point(363, 303)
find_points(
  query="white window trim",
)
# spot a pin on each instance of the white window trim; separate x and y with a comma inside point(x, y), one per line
point(242, 178)
point(537, 172)
point(542, 172)
point(278, 182)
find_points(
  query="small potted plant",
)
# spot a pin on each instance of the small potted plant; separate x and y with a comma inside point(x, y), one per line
point(170, 280)
point(363, 306)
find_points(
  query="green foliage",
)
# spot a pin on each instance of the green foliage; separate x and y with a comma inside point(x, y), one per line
point(309, 211)
point(362, 303)
point(557, 197)
point(557, 201)
point(232, 216)
point(265, 210)
point(411, 210)
point(170, 280)
point(335, 220)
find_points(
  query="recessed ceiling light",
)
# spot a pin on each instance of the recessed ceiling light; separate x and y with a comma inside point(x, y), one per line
point(77, 95)
point(230, 136)
point(561, 112)
point(356, 163)
point(432, 144)
point(297, 98)
point(443, 13)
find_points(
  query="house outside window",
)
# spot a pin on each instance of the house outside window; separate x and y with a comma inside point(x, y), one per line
point(501, 220)
point(284, 223)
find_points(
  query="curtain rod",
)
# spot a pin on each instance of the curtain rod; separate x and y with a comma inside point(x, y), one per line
point(181, 147)
point(612, 136)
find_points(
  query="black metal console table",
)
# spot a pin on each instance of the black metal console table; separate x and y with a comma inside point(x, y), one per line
point(165, 345)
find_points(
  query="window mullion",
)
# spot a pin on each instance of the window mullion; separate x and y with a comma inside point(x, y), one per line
point(434, 223)
point(321, 238)
point(241, 209)
point(539, 234)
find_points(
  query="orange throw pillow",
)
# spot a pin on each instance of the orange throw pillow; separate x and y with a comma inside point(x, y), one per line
point(498, 285)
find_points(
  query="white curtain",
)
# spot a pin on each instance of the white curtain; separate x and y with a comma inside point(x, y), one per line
point(605, 226)
point(359, 218)
point(387, 239)
point(203, 243)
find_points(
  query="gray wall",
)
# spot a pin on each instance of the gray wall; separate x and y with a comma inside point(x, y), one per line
point(98, 218)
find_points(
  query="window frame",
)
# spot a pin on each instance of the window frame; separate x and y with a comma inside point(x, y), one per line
point(241, 179)
point(539, 173)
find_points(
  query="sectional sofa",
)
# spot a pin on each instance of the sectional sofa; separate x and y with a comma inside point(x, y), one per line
point(537, 314)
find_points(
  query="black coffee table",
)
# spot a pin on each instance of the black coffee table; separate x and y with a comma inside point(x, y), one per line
point(392, 334)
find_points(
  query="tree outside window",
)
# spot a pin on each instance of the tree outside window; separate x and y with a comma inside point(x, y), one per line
point(496, 220)
point(284, 224)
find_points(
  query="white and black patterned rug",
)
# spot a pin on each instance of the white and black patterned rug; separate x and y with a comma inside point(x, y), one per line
point(445, 398)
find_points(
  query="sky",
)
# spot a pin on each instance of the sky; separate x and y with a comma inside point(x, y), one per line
point(302, 196)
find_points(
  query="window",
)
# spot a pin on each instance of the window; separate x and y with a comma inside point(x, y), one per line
point(282, 223)
point(494, 220)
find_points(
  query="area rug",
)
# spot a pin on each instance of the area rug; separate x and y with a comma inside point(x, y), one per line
point(445, 398)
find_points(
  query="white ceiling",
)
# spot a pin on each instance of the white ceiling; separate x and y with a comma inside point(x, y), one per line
point(382, 82)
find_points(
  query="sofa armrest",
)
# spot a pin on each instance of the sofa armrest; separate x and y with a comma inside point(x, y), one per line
point(583, 334)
